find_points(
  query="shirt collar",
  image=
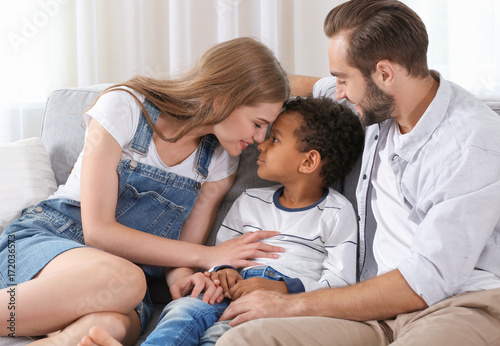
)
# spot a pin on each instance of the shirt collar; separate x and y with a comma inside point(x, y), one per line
point(430, 120)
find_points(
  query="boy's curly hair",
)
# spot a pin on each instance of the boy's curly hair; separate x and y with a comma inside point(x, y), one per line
point(330, 128)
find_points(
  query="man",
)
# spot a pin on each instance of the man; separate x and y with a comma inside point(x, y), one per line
point(430, 188)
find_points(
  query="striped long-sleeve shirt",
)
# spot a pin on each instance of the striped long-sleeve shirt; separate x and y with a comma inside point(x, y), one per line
point(319, 240)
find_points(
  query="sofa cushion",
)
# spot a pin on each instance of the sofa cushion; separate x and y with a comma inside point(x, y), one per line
point(63, 127)
point(26, 177)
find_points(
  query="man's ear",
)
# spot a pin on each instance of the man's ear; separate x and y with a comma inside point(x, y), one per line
point(385, 73)
point(311, 162)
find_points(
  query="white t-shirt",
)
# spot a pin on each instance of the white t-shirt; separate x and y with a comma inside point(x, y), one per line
point(395, 231)
point(119, 113)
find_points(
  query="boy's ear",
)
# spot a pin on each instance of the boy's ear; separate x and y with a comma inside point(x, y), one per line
point(311, 162)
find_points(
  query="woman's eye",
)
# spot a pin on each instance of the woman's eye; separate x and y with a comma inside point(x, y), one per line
point(258, 125)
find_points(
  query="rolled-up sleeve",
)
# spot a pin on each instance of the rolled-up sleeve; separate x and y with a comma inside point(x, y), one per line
point(459, 215)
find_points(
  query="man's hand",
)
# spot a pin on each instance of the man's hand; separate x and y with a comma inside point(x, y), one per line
point(258, 304)
point(246, 286)
point(196, 284)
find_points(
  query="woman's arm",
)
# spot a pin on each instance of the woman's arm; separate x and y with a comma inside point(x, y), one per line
point(198, 225)
point(99, 191)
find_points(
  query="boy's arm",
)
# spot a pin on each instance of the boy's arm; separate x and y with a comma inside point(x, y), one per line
point(257, 284)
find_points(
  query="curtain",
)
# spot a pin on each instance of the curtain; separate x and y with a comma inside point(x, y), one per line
point(52, 44)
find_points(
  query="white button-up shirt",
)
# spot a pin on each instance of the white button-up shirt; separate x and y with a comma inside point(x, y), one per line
point(448, 180)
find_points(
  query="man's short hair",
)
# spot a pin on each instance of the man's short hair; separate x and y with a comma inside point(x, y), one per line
point(380, 30)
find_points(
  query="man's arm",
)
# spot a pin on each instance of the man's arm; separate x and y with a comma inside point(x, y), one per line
point(302, 85)
point(382, 297)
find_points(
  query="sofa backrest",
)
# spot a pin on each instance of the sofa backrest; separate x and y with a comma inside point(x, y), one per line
point(63, 132)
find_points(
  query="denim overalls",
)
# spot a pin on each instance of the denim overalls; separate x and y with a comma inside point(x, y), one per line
point(149, 199)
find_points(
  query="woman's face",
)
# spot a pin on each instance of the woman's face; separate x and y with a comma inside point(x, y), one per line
point(245, 125)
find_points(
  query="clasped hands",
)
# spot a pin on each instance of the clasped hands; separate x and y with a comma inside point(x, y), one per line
point(225, 283)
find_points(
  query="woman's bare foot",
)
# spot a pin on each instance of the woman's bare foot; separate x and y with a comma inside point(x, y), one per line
point(98, 337)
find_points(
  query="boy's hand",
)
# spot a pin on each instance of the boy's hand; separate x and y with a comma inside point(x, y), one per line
point(196, 284)
point(225, 278)
point(253, 284)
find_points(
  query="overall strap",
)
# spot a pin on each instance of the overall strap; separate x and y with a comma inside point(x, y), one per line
point(144, 131)
point(207, 146)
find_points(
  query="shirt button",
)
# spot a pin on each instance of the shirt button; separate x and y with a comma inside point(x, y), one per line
point(376, 137)
point(38, 209)
point(395, 157)
point(365, 176)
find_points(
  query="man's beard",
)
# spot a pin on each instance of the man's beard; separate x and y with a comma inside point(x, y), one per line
point(377, 106)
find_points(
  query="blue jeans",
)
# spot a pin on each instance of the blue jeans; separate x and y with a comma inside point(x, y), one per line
point(190, 321)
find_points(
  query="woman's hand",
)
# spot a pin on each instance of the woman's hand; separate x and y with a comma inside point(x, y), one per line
point(196, 284)
point(237, 252)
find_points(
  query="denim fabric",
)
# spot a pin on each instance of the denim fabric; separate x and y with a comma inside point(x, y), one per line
point(42, 232)
point(190, 321)
point(149, 199)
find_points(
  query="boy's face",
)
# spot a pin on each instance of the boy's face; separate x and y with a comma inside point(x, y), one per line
point(279, 157)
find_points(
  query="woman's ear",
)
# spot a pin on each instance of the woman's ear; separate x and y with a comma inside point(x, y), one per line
point(219, 103)
point(311, 162)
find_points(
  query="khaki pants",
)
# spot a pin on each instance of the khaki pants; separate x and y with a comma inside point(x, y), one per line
point(467, 319)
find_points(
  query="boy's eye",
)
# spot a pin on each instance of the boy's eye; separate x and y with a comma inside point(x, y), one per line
point(274, 139)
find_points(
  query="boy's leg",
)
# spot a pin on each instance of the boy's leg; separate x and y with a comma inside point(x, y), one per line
point(184, 321)
point(214, 333)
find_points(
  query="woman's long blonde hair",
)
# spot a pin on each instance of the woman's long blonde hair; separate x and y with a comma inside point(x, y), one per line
point(239, 72)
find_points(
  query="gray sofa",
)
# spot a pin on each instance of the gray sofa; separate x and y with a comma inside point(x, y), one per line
point(63, 132)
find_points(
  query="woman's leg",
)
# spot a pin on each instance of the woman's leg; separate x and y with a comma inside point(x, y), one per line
point(100, 337)
point(118, 327)
point(76, 283)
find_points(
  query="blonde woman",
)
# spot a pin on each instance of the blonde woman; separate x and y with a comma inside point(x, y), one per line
point(159, 157)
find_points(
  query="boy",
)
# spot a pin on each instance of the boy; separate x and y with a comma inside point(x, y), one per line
point(312, 143)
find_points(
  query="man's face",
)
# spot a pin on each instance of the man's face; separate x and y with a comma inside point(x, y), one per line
point(372, 104)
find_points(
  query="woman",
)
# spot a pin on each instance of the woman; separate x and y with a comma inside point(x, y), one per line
point(159, 157)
